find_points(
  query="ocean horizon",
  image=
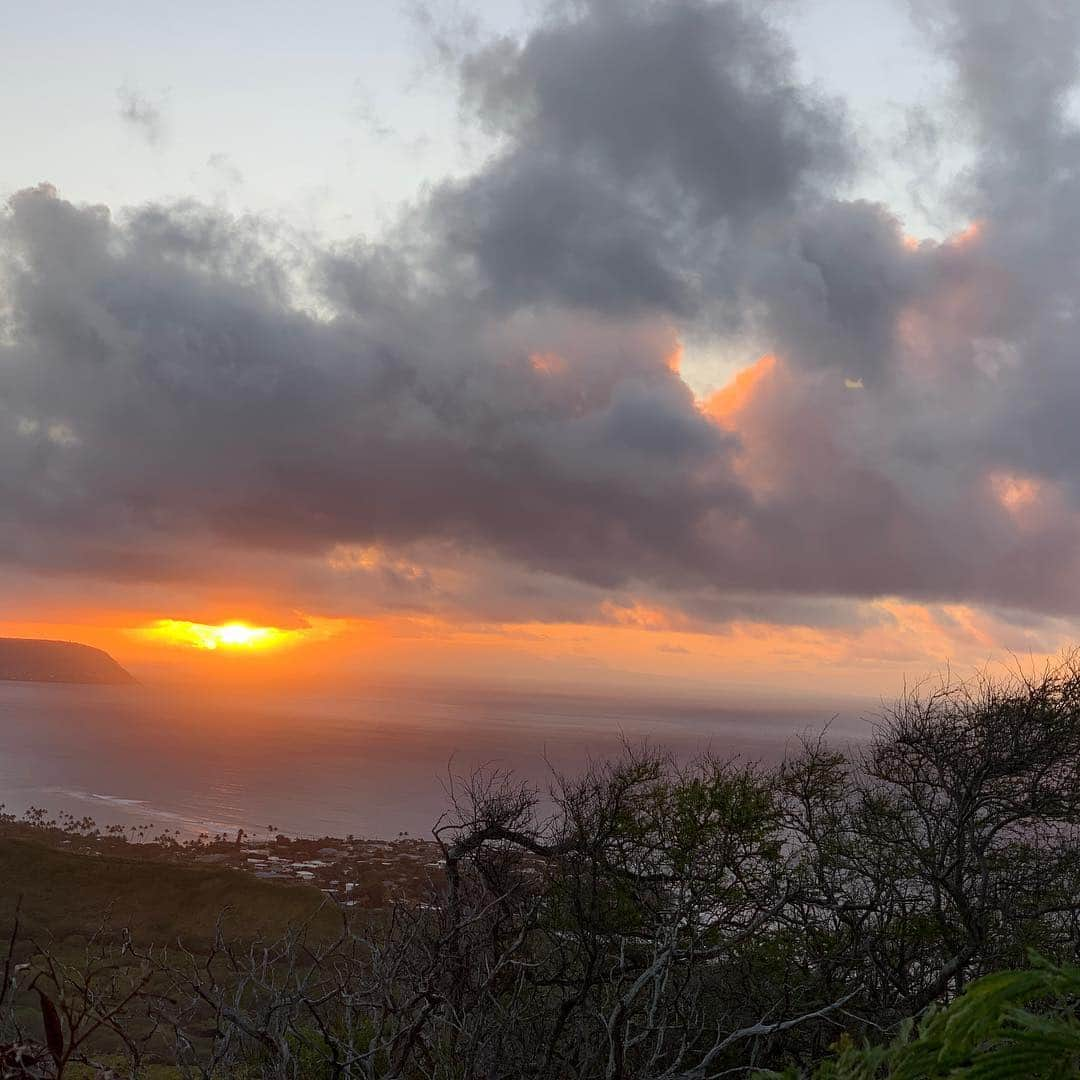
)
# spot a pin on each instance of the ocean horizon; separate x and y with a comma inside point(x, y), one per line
point(368, 762)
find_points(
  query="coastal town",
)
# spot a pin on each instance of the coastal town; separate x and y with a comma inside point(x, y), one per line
point(354, 872)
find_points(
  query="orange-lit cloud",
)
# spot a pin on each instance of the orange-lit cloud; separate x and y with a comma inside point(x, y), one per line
point(725, 405)
point(548, 363)
point(673, 361)
point(1015, 492)
point(372, 557)
point(967, 236)
point(642, 616)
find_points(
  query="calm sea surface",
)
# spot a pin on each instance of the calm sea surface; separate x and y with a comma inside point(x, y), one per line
point(371, 763)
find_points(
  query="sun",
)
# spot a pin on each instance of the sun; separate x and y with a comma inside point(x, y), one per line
point(238, 633)
point(234, 635)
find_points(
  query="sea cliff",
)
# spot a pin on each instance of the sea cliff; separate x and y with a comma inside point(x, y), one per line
point(34, 660)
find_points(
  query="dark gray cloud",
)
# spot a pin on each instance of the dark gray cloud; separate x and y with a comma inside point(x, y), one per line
point(644, 143)
point(831, 295)
point(690, 99)
point(158, 381)
point(535, 228)
point(485, 403)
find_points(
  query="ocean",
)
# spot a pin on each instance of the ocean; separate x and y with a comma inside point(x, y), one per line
point(375, 762)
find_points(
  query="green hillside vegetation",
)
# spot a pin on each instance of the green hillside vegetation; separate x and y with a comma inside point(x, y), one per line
point(90, 912)
point(66, 895)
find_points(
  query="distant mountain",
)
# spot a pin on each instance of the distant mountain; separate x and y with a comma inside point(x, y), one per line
point(34, 660)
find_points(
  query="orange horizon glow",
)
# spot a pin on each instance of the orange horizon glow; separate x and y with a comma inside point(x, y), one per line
point(630, 641)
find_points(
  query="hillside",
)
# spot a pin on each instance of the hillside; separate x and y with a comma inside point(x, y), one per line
point(77, 906)
point(33, 660)
point(65, 895)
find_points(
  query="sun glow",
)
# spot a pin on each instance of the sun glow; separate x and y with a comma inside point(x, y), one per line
point(235, 635)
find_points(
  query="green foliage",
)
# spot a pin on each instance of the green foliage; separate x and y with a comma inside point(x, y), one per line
point(1006, 1025)
point(311, 1052)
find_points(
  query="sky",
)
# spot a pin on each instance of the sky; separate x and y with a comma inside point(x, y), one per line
point(612, 342)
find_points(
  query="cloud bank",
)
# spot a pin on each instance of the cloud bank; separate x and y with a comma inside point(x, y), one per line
point(487, 410)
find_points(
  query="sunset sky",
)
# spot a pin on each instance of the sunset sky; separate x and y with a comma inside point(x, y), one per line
point(614, 342)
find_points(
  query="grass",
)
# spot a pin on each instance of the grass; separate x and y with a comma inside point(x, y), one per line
point(66, 895)
point(147, 1072)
